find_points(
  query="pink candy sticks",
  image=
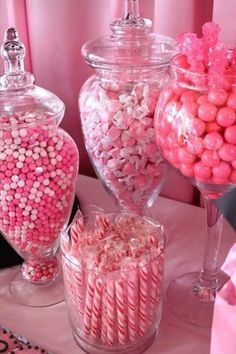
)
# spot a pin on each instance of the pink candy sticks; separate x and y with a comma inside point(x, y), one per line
point(116, 307)
point(196, 120)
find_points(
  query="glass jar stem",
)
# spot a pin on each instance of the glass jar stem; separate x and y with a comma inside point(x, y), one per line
point(208, 283)
point(131, 10)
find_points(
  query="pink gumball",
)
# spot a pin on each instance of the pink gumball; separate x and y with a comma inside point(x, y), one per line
point(195, 145)
point(231, 101)
point(196, 127)
point(230, 134)
point(233, 177)
point(213, 141)
point(222, 170)
point(228, 152)
point(187, 169)
point(226, 117)
point(213, 127)
point(217, 97)
point(185, 157)
point(202, 171)
point(207, 112)
point(210, 158)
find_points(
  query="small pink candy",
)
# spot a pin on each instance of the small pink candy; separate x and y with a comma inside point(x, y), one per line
point(231, 101)
point(226, 117)
point(202, 99)
point(217, 97)
point(202, 171)
point(213, 141)
point(150, 149)
point(233, 163)
point(222, 170)
point(140, 182)
point(210, 158)
point(196, 127)
point(228, 152)
point(207, 112)
point(185, 157)
point(187, 169)
point(230, 134)
point(195, 145)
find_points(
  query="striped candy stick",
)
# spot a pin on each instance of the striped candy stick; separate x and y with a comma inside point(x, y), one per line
point(97, 310)
point(88, 308)
point(104, 317)
point(121, 309)
point(111, 316)
point(156, 286)
point(78, 276)
point(77, 227)
point(144, 274)
point(131, 275)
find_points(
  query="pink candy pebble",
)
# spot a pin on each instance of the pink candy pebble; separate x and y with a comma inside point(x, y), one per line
point(196, 127)
point(231, 101)
point(187, 169)
point(210, 158)
point(230, 134)
point(202, 171)
point(213, 141)
point(228, 152)
point(207, 112)
point(222, 170)
point(217, 97)
point(226, 117)
point(185, 157)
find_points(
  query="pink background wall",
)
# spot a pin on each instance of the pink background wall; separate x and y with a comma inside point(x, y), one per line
point(54, 31)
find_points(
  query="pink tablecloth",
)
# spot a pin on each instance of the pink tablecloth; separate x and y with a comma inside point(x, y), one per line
point(49, 327)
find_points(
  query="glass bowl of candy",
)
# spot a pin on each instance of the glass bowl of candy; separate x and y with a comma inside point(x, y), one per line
point(113, 275)
point(117, 106)
point(38, 171)
point(195, 127)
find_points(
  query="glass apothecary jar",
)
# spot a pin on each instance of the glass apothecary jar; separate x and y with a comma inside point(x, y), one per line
point(38, 171)
point(113, 275)
point(117, 105)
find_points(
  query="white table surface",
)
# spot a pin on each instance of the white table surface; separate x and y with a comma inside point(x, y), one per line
point(184, 224)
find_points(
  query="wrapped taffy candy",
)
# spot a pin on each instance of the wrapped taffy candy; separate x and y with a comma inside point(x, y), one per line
point(113, 274)
point(117, 105)
point(196, 115)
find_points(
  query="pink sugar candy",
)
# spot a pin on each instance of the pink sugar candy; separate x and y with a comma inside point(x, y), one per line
point(231, 101)
point(202, 171)
point(192, 47)
point(210, 158)
point(226, 117)
point(207, 112)
point(222, 170)
point(217, 97)
point(210, 31)
point(230, 134)
point(228, 152)
point(213, 141)
point(217, 64)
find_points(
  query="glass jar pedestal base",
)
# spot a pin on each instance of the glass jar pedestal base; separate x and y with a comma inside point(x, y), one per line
point(136, 348)
point(29, 294)
point(185, 304)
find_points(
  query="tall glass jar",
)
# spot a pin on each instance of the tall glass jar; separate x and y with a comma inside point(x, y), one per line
point(117, 105)
point(38, 170)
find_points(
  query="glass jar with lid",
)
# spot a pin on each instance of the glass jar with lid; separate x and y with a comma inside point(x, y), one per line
point(117, 106)
point(38, 171)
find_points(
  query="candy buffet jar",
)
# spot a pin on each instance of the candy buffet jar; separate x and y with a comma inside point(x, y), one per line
point(196, 131)
point(117, 105)
point(38, 170)
point(113, 275)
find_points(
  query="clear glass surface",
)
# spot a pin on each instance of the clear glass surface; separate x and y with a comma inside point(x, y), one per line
point(195, 130)
point(38, 171)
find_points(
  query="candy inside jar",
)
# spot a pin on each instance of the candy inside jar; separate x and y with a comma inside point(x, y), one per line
point(117, 107)
point(113, 273)
point(38, 170)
